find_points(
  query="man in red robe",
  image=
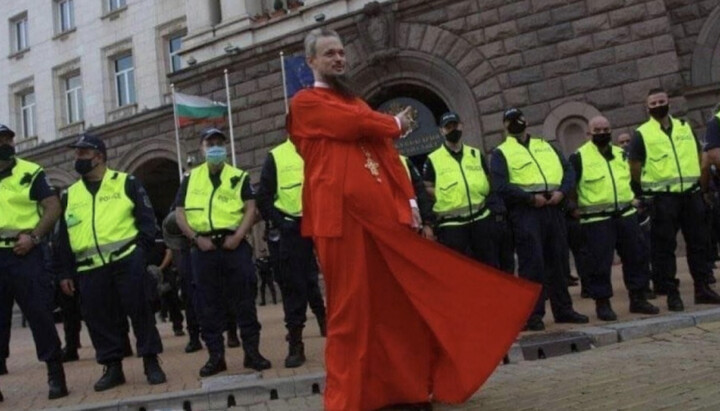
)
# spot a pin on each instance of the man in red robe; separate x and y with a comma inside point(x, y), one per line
point(409, 321)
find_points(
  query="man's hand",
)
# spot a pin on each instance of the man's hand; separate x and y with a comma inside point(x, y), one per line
point(232, 241)
point(405, 120)
point(427, 232)
point(68, 287)
point(204, 243)
point(556, 198)
point(417, 220)
point(24, 244)
point(539, 200)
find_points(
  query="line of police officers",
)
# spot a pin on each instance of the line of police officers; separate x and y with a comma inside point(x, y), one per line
point(517, 202)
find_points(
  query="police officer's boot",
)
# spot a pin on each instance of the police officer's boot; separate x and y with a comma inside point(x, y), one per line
point(322, 324)
point(705, 295)
point(674, 301)
point(232, 339)
point(193, 344)
point(70, 354)
point(604, 310)
point(214, 365)
point(3, 366)
point(56, 380)
point(639, 303)
point(112, 377)
point(296, 349)
point(153, 372)
point(253, 358)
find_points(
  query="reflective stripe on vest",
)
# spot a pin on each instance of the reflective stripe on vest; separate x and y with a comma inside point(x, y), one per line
point(460, 187)
point(101, 227)
point(671, 164)
point(18, 212)
point(289, 169)
point(604, 186)
point(534, 169)
point(209, 209)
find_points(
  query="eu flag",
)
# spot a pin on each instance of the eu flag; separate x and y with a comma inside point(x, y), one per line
point(297, 75)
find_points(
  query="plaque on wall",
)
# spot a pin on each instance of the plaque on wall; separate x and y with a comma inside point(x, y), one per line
point(424, 136)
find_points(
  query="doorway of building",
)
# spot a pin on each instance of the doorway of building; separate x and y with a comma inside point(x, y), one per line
point(159, 176)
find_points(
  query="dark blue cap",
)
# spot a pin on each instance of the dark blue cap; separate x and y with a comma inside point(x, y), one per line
point(512, 114)
point(5, 131)
point(90, 141)
point(210, 132)
point(449, 117)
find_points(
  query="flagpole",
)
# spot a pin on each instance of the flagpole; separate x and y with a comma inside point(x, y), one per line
point(282, 65)
point(177, 134)
point(230, 120)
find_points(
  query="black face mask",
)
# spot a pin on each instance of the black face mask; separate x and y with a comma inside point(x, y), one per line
point(7, 152)
point(516, 127)
point(84, 166)
point(601, 139)
point(454, 136)
point(659, 112)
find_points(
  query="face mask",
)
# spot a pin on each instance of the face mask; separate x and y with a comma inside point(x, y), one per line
point(454, 136)
point(215, 155)
point(601, 139)
point(659, 112)
point(7, 152)
point(517, 127)
point(84, 166)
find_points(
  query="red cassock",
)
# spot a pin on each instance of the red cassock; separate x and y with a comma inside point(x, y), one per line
point(409, 320)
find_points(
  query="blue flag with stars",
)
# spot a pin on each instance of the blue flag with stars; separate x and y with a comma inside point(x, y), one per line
point(297, 75)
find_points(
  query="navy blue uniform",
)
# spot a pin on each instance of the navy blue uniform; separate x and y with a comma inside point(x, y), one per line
point(111, 293)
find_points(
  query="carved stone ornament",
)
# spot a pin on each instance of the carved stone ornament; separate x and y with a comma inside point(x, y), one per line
point(376, 27)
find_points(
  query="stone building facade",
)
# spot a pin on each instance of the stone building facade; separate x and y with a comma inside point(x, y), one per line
point(561, 61)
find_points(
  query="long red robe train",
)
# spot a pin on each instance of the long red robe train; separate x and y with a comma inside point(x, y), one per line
point(408, 320)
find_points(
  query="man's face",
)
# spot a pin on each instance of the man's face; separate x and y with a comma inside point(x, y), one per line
point(6, 139)
point(449, 127)
point(623, 140)
point(329, 58)
point(87, 153)
point(213, 141)
point(656, 100)
point(599, 126)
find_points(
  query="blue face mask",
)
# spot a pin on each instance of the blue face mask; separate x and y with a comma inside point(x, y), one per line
point(215, 155)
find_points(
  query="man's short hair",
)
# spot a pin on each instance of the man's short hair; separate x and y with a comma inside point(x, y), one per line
point(312, 38)
point(656, 90)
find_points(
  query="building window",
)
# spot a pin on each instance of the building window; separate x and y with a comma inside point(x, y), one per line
point(65, 15)
point(27, 114)
point(19, 31)
point(124, 80)
point(73, 99)
point(174, 45)
point(113, 5)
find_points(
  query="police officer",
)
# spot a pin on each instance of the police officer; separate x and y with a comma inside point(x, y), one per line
point(107, 230)
point(280, 202)
point(456, 175)
point(423, 201)
point(609, 221)
point(30, 209)
point(665, 165)
point(534, 178)
point(216, 210)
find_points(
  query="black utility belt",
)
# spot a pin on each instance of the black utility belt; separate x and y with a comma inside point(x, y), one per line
point(217, 237)
point(690, 191)
point(612, 214)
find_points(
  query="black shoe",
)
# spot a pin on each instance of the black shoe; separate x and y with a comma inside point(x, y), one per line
point(153, 372)
point(604, 310)
point(674, 302)
point(572, 317)
point(56, 380)
point(253, 358)
point(232, 339)
point(3, 367)
point(640, 305)
point(69, 354)
point(112, 377)
point(193, 345)
point(706, 295)
point(214, 365)
point(296, 349)
point(535, 323)
point(322, 325)
point(178, 332)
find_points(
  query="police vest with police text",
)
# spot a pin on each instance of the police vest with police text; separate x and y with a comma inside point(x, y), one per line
point(101, 227)
point(289, 170)
point(460, 187)
point(536, 168)
point(18, 212)
point(209, 209)
point(604, 187)
point(672, 163)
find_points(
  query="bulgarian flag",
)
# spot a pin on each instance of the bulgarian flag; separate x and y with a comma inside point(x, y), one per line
point(194, 109)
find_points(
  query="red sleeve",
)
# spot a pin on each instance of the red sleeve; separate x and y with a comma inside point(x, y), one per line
point(315, 115)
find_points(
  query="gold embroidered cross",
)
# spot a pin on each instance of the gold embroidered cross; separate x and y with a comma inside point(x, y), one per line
point(371, 164)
